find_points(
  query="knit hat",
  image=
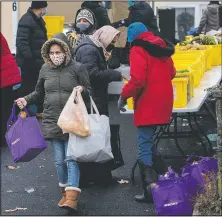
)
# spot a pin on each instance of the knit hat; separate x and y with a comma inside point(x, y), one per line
point(134, 30)
point(39, 4)
point(85, 14)
point(131, 3)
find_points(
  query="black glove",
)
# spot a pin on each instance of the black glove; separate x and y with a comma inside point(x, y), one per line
point(121, 104)
point(118, 24)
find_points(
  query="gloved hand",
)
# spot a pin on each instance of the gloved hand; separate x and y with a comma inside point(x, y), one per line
point(118, 24)
point(121, 104)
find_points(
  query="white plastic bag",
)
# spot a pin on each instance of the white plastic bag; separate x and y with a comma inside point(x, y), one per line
point(96, 147)
point(74, 117)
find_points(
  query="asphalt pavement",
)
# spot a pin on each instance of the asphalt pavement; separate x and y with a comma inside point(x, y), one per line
point(34, 187)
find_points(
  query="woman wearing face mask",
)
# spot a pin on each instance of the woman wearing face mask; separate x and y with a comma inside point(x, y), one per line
point(85, 24)
point(93, 52)
point(58, 76)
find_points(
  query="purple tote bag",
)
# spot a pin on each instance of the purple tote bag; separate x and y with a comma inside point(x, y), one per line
point(174, 194)
point(24, 137)
point(197, 166)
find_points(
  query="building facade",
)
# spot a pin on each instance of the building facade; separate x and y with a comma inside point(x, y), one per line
point(11, 12)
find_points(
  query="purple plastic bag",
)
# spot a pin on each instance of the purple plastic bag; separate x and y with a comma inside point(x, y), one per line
point(174, 194)
point(200, 165)
point(24, 137)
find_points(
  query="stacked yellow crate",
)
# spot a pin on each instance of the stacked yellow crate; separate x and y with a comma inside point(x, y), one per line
point(54, 24)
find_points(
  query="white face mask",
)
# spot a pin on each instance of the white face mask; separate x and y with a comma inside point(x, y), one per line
point(57, 59)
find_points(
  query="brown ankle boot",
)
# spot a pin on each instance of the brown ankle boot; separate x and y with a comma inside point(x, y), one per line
point(72, 196)
point(63, 200)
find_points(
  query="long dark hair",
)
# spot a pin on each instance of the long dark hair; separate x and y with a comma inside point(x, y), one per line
point(214, 3)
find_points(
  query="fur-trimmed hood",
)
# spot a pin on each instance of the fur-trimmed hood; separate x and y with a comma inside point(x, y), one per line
point(154, 45)
point(60, 39)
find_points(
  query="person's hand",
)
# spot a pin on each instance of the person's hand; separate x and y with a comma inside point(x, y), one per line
point(21, 102)
point(124, 78)
point(121, 104)
point(79, 88)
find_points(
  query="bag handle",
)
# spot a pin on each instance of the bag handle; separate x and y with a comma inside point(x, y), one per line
point(172, 173)
point(169, 175)
point(13, 117)
point(193, 158)
point(93, 106)
point(73, 95)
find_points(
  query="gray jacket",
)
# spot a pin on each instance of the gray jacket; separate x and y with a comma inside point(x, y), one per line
point(210, 19)
point(55, 84)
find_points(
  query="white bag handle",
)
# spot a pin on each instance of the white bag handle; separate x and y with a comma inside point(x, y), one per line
point(73, 94)
point(93, 106)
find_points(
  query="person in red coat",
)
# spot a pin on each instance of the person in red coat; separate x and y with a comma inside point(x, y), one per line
point(10, 76)
point(151, 71)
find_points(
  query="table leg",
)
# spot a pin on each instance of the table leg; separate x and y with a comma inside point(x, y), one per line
point(196, 134)
point(175, 136)
point(205, 136)
point(209, 111)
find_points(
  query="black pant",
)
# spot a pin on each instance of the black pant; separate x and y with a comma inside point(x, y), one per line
point(7, 100)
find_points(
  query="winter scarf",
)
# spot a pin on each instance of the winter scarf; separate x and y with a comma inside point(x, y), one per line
point(103, 37)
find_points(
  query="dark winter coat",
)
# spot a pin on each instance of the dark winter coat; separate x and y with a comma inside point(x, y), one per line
point(151, 71)
point(55, 84)
point(140, 12)
point(31, 35)
point(99, 11)
point(93, 59)
point(210, 19)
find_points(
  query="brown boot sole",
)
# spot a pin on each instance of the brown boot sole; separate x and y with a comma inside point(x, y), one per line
point(68, 208)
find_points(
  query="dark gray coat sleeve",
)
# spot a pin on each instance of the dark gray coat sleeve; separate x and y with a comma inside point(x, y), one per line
point(89, 57)
point(38, 94)
point(102, 17)
point(22, 39)
point(83, 79)
point(203, 22)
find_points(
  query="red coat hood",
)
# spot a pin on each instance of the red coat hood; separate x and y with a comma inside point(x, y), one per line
point(154, 45)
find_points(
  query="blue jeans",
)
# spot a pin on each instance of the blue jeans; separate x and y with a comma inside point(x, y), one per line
point(67, 169)
point(145, 143)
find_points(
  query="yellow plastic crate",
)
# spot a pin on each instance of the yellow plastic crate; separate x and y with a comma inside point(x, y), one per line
point(209, 56)
point(219, 54)
point(54, 24)
point(193, 67)
point(198, 53)
point(190, 77)
point(180, 91)
point(216, 54)
point(130, 104)
point(191, 56)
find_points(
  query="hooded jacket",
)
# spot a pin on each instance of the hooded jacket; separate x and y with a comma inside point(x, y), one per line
point(210, 19)
point(55, 85)
point(151, 71)
point(100, 76)
point(99, 11)
point(8, 68)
